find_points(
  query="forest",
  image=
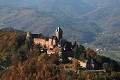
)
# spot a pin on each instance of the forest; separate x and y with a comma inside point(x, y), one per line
point(17, 62)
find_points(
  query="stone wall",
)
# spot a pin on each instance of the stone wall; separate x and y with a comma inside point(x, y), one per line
point(49, 44)
point(83, 64)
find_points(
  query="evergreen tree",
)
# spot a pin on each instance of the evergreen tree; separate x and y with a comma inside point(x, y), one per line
point(113, 65)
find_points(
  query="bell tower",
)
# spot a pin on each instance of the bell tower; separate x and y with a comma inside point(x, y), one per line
point(59, 33)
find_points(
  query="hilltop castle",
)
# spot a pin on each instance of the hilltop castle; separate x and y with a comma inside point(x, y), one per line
point(53, 44)
point(57, 45)
point(50, 42)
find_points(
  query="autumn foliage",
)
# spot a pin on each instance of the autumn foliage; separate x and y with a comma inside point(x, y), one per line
point(18, 63)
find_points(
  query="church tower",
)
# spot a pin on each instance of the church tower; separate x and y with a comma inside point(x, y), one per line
point(59, 33)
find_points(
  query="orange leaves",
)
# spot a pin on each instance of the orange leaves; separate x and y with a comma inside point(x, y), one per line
point(15, 58)
point(33, 54)
point(75, 65)
point(13, 69)
point(91, 52)
point(11, 39)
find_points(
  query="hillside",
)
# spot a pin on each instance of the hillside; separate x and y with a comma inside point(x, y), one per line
point(108, 19)
point(11, 41)
point(95, 23)
point(84, 21)
point(18, 62)
point(9, 29)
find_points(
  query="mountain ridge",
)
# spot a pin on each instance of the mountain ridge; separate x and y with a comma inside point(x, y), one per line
point(43, 16)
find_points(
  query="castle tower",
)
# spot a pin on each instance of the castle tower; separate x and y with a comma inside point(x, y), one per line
point(59, 33)
point(28, 37)
point(50, 42)
point(29, 41)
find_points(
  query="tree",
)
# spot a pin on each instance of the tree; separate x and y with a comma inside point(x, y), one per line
point(29, 42)
point(106, 66)
point(113, 65)
point(15, 58)
point(54, 59)
point(91, 52)
point(23, 56)
point(7, 61)
point(75, 65)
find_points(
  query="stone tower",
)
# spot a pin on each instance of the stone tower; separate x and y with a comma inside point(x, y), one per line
point(28, 37)
point(29, 41)
point(59, 33)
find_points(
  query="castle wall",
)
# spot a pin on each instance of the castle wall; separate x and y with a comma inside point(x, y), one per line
point(47, 43)
point(54, 42)
point(43, 42)
point(50, 52)
point(50, 42)
point(39, 41)
point(83, 64)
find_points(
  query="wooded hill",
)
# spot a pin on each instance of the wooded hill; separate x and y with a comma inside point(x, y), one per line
point(18, 62)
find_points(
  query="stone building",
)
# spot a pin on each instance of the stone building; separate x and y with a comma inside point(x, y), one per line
point(29, 40)
point(59, 33)
point(53, 44)
point(50, 42)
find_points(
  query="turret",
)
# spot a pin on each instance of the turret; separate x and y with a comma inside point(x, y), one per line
point(28, 37)
point(59, 33)
point(28, 34)
point(29, 40)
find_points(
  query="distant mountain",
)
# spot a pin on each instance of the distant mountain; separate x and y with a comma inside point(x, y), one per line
point(9, 29)
point(108, 3)
point(103, 3)
point(71, 8)
point(45, 16)
point(39, 22)
point(108, 19)
point(81, 20)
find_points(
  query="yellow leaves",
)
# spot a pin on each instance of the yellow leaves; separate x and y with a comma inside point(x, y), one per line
point(15, 58)
point(13, 69)
point(41, 57)
point(3, 56)
point(75, 64)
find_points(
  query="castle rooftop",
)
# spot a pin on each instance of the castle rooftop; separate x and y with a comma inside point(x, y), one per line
point(58, 29)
